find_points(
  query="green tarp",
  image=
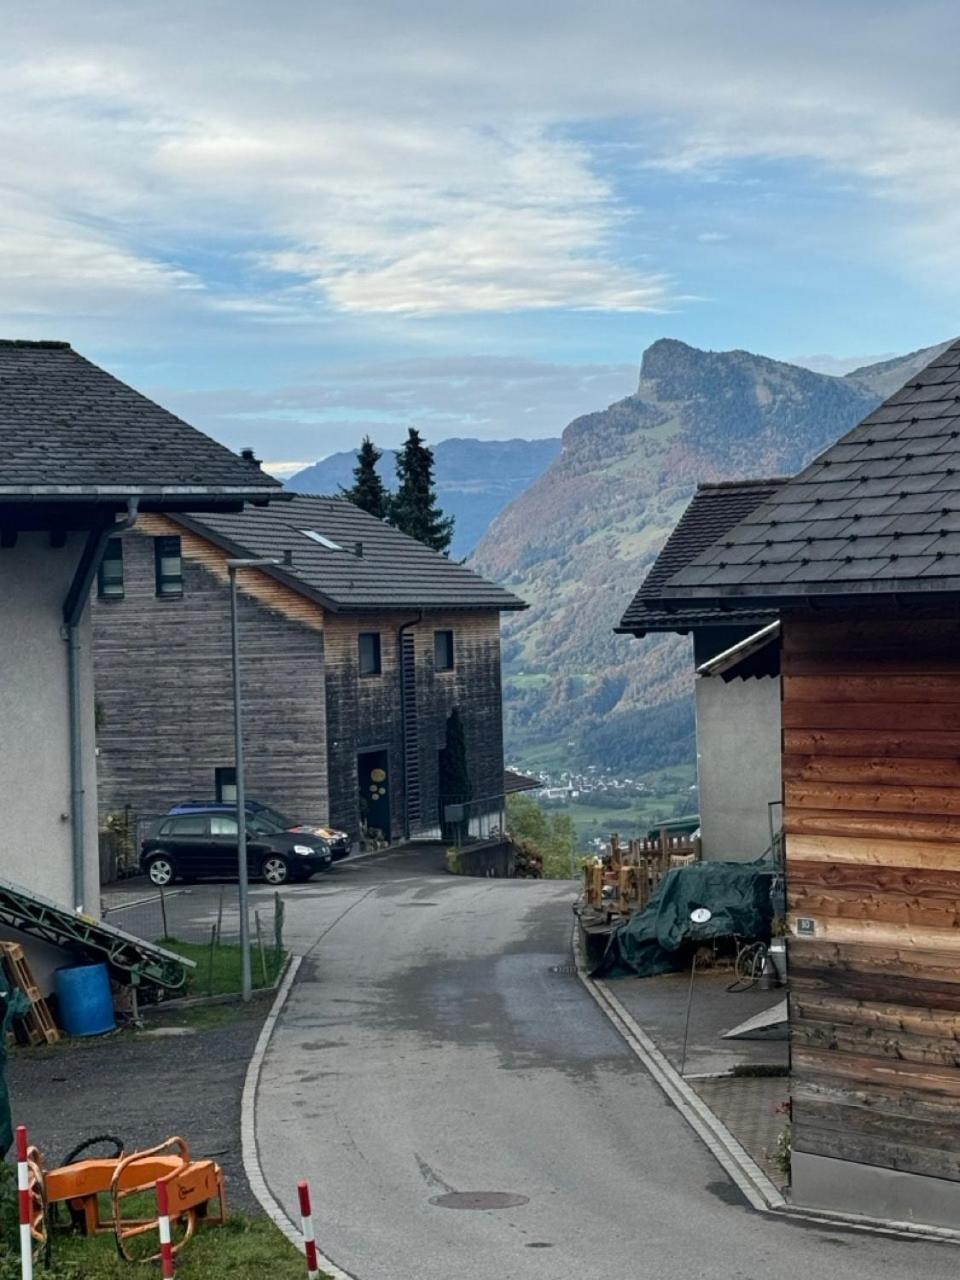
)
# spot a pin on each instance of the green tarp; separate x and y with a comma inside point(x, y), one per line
point(658, 939)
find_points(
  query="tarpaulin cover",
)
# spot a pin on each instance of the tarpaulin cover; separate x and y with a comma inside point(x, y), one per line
point(658, 939)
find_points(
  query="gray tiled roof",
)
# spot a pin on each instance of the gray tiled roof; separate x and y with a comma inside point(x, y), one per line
point(714, 509)
point(877, 513)
point(70, 429)
point(393, 572)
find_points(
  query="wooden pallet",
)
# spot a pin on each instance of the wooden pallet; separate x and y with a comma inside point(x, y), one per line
point(38, 1024)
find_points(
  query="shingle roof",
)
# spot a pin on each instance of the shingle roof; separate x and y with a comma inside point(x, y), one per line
point(393, 571)
point(68, 429)
point(713, 510)
point(878, 512)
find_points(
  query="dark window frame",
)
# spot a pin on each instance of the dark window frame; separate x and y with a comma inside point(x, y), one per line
point(450, 645)
point(225, 777)
point(374, 666)
point(107, 580)
point(169, 586)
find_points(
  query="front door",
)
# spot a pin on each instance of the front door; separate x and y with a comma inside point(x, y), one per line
point(373, 775)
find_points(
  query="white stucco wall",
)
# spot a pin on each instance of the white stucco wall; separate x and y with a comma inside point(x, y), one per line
point(738, 764)
point(35, 849)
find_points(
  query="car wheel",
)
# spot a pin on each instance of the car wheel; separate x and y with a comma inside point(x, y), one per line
point(160, 871)
point(275, 870)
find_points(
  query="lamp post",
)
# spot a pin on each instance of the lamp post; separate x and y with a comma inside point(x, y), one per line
point(245, 979)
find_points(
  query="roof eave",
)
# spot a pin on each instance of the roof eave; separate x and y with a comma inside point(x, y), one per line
point(169, 494)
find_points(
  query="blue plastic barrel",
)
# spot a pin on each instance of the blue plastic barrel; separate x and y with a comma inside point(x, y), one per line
point(86, 1005)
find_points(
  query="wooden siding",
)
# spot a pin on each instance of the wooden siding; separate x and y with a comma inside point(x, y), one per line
point(871, 768)
point(163, 682)
point(364, 713)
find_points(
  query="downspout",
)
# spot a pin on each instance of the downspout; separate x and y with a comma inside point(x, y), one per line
point(73, 607)
point(414, 622)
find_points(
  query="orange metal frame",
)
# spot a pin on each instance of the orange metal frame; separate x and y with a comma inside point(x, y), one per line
point(191, 1184)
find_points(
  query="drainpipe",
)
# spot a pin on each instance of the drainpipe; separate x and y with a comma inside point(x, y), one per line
point(403, 712)
point(73, 607)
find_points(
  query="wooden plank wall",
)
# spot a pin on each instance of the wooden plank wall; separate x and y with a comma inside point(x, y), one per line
point(871, 767)
point(365, 712)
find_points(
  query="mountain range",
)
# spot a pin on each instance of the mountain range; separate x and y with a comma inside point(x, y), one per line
point(475, 479)
point(577, 542)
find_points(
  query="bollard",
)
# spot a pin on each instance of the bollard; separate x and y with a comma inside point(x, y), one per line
point(23, 1195)
point(163, 1222)
point(306, 1220)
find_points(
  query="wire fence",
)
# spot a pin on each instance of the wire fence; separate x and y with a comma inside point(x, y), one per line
point(195, 915)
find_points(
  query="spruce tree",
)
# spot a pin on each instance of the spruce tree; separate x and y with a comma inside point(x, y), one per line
point(368, 492)
point(413, 508)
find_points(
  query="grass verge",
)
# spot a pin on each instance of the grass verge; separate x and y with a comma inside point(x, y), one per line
point(244, 1248)
point(218, 967)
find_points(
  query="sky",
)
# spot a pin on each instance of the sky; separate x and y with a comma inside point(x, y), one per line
point(301, 222)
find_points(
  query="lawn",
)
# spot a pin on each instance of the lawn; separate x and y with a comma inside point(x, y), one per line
point(218, 968)
point(244, 1248)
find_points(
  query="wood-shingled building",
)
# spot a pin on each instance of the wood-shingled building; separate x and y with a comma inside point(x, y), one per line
point(355, 648)
point(860, 556)
point(737, 712)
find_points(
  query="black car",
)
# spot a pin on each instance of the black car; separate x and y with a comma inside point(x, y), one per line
point(338, 841)
point(203, 842)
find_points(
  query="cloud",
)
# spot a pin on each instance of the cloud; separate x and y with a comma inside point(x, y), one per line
point(488, 398)
point(373, 160)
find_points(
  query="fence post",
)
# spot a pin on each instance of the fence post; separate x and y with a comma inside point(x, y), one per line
point(163, 913)
point(26, 1208)
point(306, 1222)
point(163, 1223)
point(263, 954)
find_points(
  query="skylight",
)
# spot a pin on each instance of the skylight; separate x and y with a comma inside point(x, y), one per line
point(324, 542)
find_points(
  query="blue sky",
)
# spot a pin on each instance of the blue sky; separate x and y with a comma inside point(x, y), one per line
point(297, 223)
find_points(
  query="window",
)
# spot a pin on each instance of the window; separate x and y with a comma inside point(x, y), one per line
point(443, 651)
point(169, 566)
point(220, 825)
point(225, 782)
point(186, 827)
point(369, 652)
point(324, 542)
point(110, 573)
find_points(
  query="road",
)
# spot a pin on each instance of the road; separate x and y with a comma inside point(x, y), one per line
point(436, 1044)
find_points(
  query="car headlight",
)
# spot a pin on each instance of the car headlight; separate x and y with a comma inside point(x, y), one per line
point(305, 849)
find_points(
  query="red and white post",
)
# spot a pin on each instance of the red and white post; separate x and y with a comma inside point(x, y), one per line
point(163, 1222)
point(306, 1224)
point(26, 1206)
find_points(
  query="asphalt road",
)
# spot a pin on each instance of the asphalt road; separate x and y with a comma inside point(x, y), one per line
point(431, 1047)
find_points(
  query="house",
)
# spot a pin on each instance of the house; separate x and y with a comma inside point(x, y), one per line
point(859, 555)
point(737, 703)
point(80, 454)
point(356, 647)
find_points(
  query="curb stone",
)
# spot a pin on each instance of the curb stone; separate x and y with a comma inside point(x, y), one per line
point(746, 1174)
point(248, 1131)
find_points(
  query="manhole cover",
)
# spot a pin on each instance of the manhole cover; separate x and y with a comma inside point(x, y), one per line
point(479, 1200)
point(563, 968)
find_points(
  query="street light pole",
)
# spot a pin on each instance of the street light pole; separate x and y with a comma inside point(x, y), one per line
point(246, 983)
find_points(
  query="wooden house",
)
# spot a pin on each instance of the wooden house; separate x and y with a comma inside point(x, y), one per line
point(860, 556)
point(356, 646)
point(80, 452)
point(737, 700)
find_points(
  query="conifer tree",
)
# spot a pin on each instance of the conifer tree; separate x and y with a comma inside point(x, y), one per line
point(368, 491)
point(413, 508)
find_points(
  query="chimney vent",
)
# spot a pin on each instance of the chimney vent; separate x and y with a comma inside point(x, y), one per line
point(248, 455)
point(358, 550)
point(287, 556)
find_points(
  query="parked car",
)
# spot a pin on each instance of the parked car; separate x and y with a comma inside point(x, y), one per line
point(338, 841)
point(203, 842)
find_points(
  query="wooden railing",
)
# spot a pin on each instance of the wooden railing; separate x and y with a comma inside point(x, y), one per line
point(633, 871)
